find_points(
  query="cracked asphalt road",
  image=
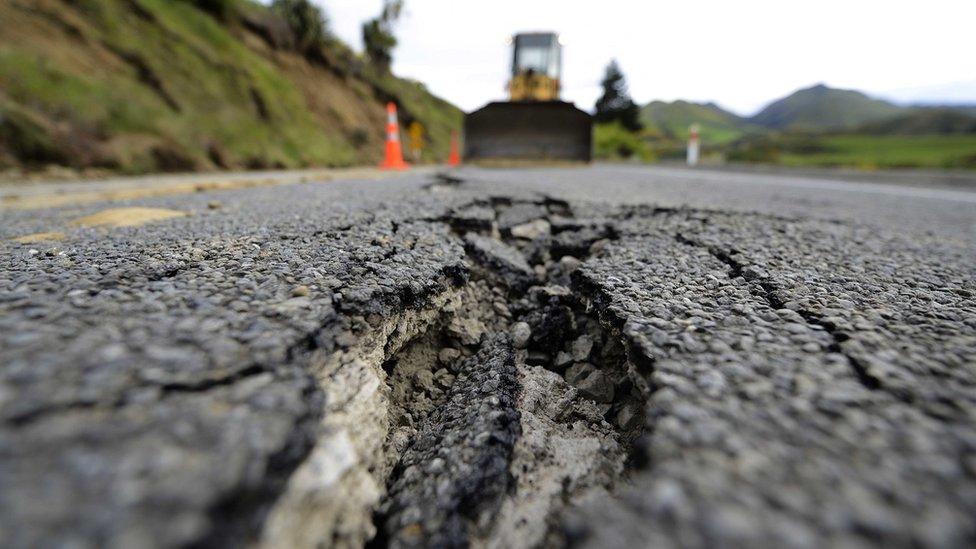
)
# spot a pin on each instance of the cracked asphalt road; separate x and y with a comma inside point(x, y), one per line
point(787, 361)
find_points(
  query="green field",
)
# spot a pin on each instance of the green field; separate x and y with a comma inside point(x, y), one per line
point(888, 151)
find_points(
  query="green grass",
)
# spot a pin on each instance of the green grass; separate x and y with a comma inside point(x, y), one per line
point(889, 151)
point(614, 142)
point(172, 77)
point(108, 104)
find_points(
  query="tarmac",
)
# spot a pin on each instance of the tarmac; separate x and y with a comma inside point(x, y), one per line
point(607, 356)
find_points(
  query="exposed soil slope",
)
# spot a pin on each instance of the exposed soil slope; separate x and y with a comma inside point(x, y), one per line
point(160, 85)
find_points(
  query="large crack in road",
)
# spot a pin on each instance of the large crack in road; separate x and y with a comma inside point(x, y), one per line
point(480, 417)
point(493, 370)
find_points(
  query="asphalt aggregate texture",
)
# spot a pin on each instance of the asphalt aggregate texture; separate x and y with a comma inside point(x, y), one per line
point(787, 361)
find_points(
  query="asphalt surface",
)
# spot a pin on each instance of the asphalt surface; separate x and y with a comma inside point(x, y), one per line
point(776, 360)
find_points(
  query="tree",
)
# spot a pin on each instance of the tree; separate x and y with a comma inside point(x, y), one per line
point(378, 37)
point(306, 21)
point(615, 105)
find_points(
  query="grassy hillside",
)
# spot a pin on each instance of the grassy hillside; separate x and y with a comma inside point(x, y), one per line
point(820, 107)
point(156, 85)
point(672, 120)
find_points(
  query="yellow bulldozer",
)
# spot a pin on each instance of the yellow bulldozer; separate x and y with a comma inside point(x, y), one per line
point(534, 125)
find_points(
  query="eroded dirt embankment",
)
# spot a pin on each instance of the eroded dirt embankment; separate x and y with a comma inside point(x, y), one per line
point(479, 417)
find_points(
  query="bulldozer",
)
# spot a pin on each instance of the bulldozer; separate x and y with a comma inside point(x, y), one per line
point(534, 125)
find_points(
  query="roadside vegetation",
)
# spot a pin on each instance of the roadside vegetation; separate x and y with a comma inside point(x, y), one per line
point(617, 134)
point(818, 127)
point(867, 152)
point(379, 39)
point(140, 86)
point(613, 141)
point(137, 86)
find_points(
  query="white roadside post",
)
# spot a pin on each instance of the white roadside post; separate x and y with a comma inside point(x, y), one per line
point(693, 145)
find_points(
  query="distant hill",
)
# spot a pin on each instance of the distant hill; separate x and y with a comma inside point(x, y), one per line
point(673, 119)
point(923, 121)
point(178, 85)
point(822, 108)
point(820, 126)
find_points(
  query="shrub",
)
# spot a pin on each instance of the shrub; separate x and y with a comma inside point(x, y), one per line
point(761, 150)
point(224, 10)
point(769, 148)
point(379, 43)
point(614, 142)
point(378, 38)
point(306, 21)
point(964, 162)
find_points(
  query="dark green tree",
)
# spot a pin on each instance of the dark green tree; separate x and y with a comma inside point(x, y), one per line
point(378, 38)
point(307, 22)
point(615, 105)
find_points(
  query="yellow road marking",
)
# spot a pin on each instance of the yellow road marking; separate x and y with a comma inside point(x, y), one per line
point(61, 197)
point(126, 217)
point(39, 237)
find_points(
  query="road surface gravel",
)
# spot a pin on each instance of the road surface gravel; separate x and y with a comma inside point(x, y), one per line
point(606, 356)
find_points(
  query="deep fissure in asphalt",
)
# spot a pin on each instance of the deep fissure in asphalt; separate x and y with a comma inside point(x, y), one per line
point(483, 413)
point(448, 471)
point(457, 392)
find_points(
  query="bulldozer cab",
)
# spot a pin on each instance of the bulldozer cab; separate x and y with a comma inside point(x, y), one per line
point(536, 67)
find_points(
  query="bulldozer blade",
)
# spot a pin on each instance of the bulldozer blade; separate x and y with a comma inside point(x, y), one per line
point(530, 131)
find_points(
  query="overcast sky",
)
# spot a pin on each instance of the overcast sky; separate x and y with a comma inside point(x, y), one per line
point(740, 54)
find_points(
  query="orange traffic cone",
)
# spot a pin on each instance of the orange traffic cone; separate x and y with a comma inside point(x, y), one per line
point(394, 152)
point(454, 158)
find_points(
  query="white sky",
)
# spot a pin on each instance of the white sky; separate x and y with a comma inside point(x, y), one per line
point(739, 53)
